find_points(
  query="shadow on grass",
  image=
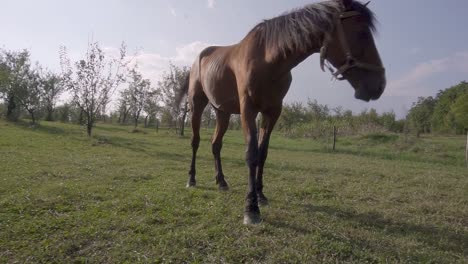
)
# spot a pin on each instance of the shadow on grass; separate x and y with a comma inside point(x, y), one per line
point(154, 150)
point(39, 127)
point(437, 237)
point(141, 146)
point(114, 128)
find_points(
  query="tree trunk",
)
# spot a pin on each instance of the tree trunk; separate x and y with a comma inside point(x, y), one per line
point(125, 115)
point(146, 121)
point(81, 118)
point(11, 108)
point(184, 116)
point(89, 125)
point(89, 128)
point(50, 113)
point(33, 118)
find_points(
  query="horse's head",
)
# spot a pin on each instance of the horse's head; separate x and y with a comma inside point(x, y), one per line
point(351, 50)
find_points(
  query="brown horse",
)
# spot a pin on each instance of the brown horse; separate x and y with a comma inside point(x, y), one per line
point(254, 76)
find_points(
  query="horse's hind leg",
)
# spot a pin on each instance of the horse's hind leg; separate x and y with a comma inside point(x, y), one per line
point(198, 102)
point(222, 124)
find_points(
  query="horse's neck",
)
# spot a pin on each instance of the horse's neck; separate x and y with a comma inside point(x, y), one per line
point(285, 64)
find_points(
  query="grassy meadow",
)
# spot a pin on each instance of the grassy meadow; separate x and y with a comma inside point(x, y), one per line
point(120, 197)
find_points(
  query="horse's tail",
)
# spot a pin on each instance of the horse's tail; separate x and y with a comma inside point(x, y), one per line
point(185, 86)
point(183, 90)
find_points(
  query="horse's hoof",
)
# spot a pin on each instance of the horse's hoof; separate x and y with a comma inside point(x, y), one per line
point(223, 188)
point(252, 218)
point(191, 184)
point(223, 185)
point(262, 200)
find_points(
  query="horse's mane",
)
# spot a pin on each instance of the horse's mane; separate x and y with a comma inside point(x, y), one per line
point(299, 29)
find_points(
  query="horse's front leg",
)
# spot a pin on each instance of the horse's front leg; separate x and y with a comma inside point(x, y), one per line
point(268, 123)
point(252, 211)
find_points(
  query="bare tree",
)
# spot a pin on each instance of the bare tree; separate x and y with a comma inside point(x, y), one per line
point(208, 116)
point(29, 93)
point(51, 88)
point(152, 105)
point(124, 106)
point(170, 85)
point(93, 79)
point(138, 90)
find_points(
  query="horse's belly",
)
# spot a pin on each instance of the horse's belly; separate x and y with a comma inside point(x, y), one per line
point(223, 98)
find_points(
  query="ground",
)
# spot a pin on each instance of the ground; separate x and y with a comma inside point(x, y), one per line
point(121, 197)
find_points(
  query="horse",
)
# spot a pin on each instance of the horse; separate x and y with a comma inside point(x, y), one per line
point(254, 75)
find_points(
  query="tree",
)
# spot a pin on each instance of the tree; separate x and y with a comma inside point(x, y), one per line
point(124, 106)
point(420, 115)
point(443, 118)
point(29, 93)
point(388, 120)
point(15, 70)
point(2, 110)
point(52, 88)
point(138, 91)
point(21, 84)
point(64, 113)
point(93, 79)
point(208, 116)
point(460, 111)
point(317, 111)
point(292, 114)
point(170, 86)
point(152, 105)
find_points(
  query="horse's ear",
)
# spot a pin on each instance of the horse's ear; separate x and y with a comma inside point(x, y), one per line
point(346, 3)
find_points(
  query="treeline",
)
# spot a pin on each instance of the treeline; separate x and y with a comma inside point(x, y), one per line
point(90, 87)
point(26, 87)
point(91, 84)
point(447, 112)
point(315, 120)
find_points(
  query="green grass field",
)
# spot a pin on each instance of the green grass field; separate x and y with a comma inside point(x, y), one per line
point(121, 197)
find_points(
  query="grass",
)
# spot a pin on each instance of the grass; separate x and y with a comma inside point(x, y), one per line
point(121, 197)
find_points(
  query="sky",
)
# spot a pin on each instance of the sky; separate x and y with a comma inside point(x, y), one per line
point(423, 43)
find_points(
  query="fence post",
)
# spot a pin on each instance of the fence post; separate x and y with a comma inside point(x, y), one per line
point(334, 138)
point(466, 150)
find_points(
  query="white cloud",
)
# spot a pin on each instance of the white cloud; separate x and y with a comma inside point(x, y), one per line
point(411, 84)
point(173, 11)
point(153, 65)
point(211, 3)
